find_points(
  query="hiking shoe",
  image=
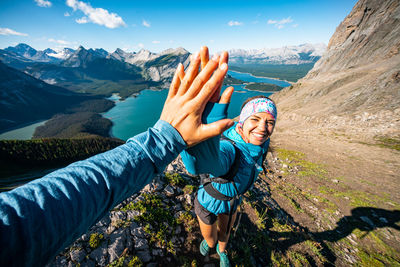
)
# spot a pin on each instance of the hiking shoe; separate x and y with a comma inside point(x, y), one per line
point(204, 248)
point(223, 258)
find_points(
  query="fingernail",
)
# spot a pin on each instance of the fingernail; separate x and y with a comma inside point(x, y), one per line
point(180, 65)
point(196, 56)
point(224, 66)
point(215, 57)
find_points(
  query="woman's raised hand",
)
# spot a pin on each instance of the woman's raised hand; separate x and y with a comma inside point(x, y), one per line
point(189, 93)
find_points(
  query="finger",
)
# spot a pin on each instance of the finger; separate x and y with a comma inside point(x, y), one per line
point(215, 97)
point(226, 95)
point(214, 129)
point(211, 86)
point(204, 55)
point(203, 77)
point(181, 73)
point(191, 73)
point(224, 58)
point(176, 81)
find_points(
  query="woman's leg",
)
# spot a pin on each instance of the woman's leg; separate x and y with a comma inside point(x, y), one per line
point(209, 232)
point(223, 237)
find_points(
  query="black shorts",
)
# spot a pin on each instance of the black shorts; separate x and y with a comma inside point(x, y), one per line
point(206, 216)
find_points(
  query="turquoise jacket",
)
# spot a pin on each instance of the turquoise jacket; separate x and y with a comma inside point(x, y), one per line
point(39, 219)
point(215, 157)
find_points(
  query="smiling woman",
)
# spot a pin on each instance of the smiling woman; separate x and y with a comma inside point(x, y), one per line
point(233, 162)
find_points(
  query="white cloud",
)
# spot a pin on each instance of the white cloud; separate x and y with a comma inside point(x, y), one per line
point(281, 23)
point(7, 31)
point(43, 3)
point(234, 23)
point(285, 21)
point(140, 45)
point(156, 42)
point(295, 25)
point(82, 20)
point(146, 24)
point(66, 14)
point(62, 42)
point(98, 16)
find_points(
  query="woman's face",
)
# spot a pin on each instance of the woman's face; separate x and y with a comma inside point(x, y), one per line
point(257, 128)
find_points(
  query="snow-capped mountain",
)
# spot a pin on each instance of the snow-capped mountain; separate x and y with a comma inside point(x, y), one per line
point(60, 54)
point(301, 54)
point(30, 53)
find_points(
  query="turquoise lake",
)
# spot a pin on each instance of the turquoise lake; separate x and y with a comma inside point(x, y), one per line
point(136, 114)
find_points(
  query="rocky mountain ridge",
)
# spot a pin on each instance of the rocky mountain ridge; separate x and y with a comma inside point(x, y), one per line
point(354, 88)
point(300, 54)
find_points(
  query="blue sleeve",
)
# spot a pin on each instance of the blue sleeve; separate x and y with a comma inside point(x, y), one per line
point(41, 218)
point(211, 156)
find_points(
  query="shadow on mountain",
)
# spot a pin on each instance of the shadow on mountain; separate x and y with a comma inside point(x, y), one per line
point(282, 240)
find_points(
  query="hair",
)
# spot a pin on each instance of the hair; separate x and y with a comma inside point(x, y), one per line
point(254, 97)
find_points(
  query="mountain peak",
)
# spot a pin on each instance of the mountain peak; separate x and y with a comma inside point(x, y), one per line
point(176, 51)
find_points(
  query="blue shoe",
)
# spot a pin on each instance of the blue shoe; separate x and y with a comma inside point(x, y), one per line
point(204, 248)
point(223, 258)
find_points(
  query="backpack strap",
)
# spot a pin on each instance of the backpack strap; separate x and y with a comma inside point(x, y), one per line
point(227, 178)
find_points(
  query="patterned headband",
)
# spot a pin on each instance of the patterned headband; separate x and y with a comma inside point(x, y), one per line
point(255, 106)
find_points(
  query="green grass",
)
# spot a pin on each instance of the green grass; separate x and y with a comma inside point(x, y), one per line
point(307, 168)
point(392, 143)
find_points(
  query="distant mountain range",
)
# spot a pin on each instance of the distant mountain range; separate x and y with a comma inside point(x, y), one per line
point(287, 55)
point(95, 71)
point(34, 80)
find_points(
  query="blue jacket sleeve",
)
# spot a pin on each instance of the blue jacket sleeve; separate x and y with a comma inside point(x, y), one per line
point(41, 218)
point(211, 156)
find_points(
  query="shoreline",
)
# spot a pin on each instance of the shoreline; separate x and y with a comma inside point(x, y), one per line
point(291, 83)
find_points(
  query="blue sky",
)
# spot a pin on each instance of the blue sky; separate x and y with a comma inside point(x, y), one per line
point(158, 25)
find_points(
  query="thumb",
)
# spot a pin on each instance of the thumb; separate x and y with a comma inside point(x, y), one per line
point(215, 128)
point(226, 95)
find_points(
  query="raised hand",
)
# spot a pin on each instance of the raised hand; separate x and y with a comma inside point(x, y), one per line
point(189, 93)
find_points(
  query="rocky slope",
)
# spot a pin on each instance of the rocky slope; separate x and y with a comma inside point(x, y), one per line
point(355, 87)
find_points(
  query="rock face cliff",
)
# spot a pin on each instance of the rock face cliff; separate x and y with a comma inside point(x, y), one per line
point(355, 86)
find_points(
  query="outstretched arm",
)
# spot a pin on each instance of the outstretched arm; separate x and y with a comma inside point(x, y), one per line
point(39, 219)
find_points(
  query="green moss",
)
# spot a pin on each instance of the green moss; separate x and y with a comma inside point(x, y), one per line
point(95, 240)
point(367, 260)
point(122, 223)
point(156, 215)
point(261, 219)
point(135, 262)
point(297, 259)
point(316, 248)
point(188, 221)
point(189, 189)
point(278, 260)
point(117, 263)
point(175, 179)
